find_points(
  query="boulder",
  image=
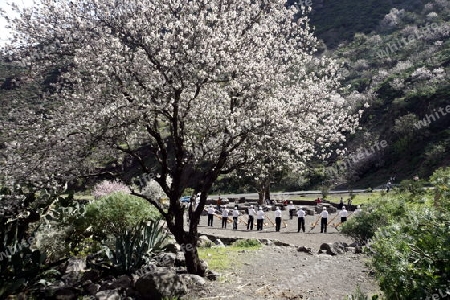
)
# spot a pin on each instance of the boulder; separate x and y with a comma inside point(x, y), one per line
point(309, 211)
point(66, 293)
point(108, 295)
point(122, 281)
point(172, 248)
point(165, 259)
point(304, 249)
point(266, 242)
point(180, 260)
point(219, 243)
point(72, 278)
point(354, 244)
point(211, 275)
point(339, 247)
point(350, 249)
point(92, 275)
point(279, 243)
point(74, 271)
point(330, 209)
point(225, 240)
point(192, 279)
point(92, 288)
point(204, 241)
point(150, 267)
point(204, 264)
point(328, 248)
point(160, 284)
point(75, 265)
point(358, 250)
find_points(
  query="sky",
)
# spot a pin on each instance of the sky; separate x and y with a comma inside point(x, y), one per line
point(4, 32)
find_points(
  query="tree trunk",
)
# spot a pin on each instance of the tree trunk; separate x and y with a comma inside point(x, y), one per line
point(267, 189)
point(260, 197)
point(264, 191)
point(186, 240)
point(193, 263)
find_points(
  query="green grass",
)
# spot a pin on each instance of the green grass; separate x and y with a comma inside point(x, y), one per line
point(360, 198)
point(222, 258)
point(83, 197)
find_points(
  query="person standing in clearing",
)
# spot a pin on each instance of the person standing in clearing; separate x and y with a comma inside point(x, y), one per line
point(259, 219)
point(341, 203)
point(291, 209)
point(225, 212)
point(301, 219)
point(344, 214)
point(324, 221)
point(211, 212)
point(235, 217)
point(219, 203)
point(251, 215)
point(277, 219)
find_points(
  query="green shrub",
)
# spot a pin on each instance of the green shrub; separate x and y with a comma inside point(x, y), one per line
point(411, 255)
point(359, 295)
point(414, 187)
point(117, 214)
point(247, 243)
point(60, 232)
point(362, 227)
point(441, 182)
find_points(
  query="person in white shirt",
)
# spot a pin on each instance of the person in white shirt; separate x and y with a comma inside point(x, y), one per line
point(211, 212)
point(259, 219)
point(324, 220)
point(358, 210)
point(301, 219)
point(235, 217)
point(197, 202)
point(251, 215)
point(277, 219)
point(291, 209)
point(225, 212)
point(344, 214)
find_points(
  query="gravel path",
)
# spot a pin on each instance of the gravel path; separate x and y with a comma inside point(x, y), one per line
point(281, 272)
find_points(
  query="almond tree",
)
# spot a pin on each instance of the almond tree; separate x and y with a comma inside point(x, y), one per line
point(194, 89)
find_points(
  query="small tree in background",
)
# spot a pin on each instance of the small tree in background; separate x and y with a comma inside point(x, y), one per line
point(107, 187)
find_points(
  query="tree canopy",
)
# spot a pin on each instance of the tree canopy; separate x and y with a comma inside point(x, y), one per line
point(191, 89)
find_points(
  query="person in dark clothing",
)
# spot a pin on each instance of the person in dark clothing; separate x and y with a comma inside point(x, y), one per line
point(324, 220)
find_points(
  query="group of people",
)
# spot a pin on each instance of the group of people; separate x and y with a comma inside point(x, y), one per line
point(225, 213)
point(260, 216)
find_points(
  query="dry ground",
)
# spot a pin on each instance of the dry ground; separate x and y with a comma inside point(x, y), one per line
point(281, 272)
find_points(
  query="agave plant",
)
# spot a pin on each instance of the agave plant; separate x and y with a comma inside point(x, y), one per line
point(134, 247)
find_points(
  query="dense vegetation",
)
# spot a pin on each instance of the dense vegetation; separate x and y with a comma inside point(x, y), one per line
point(408, 238)
point(408, 90)
point(117, 234)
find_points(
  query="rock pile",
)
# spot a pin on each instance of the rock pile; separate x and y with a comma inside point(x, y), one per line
point(165, 276)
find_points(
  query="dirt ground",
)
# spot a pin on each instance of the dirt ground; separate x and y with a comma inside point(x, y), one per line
point(281, 272)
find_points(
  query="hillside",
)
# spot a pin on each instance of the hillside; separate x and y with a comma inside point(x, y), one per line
point(401, 69)
point(338, 21)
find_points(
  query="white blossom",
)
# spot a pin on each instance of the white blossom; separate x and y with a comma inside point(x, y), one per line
point(217, 84)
